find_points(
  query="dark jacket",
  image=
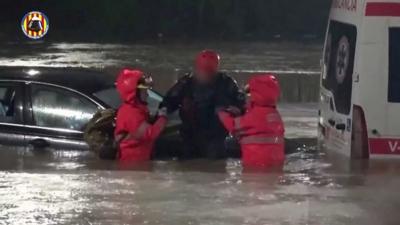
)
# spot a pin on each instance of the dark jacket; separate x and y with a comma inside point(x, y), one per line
point(197, 104)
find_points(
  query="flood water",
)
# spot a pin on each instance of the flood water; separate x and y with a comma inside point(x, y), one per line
point(281, 57)
point(296, 64)
point(313, 187)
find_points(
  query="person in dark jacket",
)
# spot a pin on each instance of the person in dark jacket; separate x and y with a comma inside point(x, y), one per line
point(197, 96)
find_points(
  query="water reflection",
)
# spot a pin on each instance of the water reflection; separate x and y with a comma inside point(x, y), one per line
point(296, 63)
point(73, 187)
point(76, 188)
point(283, 57)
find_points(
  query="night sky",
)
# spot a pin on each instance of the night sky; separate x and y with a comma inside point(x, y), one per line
point(131, 20)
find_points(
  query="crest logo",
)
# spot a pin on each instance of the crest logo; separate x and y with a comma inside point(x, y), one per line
point(35, 25)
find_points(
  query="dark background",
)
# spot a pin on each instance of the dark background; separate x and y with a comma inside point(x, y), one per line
point(141, 20)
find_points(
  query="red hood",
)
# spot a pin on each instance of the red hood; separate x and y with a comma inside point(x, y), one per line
point(264, 90)
point(127, 83)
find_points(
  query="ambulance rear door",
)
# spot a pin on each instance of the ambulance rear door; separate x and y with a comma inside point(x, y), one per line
point(339, 57)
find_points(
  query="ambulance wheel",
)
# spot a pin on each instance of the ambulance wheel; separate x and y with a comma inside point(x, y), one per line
point(359, 135)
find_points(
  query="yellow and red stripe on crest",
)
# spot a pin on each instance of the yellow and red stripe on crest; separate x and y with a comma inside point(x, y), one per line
point(31, 33)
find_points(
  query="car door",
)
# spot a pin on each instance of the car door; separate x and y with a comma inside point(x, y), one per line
point(56, 117)
point(11, 120)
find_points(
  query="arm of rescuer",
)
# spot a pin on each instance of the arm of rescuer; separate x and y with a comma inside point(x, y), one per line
point(230, 121)
point(153, 131)
point(174, 97)
point(227, 120)
point(140, 129)
point(234, 98)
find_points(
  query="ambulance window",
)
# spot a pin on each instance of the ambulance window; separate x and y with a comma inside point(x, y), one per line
point(394, 65)
point(339, 61)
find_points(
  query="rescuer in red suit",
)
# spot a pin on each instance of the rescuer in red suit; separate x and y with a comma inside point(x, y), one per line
point(132, 125)
point(260, 130)
point(197, 96)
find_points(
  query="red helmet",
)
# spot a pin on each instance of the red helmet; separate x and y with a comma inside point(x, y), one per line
point(264, 89)
point(127, 83)
point(207, 62)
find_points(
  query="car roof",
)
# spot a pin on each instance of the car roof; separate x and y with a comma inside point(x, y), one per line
point(83, 80)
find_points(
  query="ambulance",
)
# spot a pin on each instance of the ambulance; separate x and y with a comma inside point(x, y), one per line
point(359, 112)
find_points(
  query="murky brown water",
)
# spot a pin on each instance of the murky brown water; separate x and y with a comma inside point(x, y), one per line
point(312, 188)
point(71, 187)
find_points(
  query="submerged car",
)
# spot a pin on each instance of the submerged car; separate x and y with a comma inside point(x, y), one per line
point(48, 108)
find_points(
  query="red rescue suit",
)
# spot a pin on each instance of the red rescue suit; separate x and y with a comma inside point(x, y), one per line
point(260, 130)
point(132, 120)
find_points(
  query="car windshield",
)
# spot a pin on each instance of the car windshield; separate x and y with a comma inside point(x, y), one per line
point(111, 97)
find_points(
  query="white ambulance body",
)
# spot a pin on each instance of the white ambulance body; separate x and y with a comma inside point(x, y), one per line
point(360, 81)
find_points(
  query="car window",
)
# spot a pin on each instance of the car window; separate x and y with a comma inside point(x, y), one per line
point(394, 65)
point(111, 97)
point(153, 101)
point(7, 103)
point(59, 108)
